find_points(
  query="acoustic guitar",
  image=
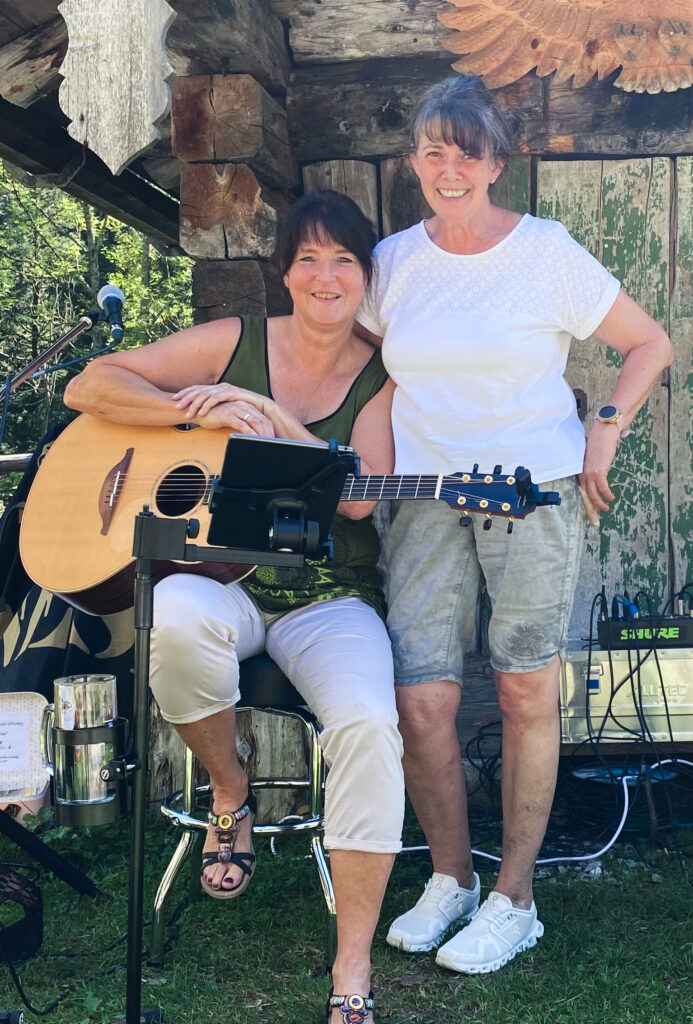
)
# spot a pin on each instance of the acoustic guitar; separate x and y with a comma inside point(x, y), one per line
point(77, 526)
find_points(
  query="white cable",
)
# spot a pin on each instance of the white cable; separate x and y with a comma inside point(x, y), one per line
point(588, 856)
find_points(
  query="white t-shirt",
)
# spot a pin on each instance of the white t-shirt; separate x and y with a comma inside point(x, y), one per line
point(478, 345)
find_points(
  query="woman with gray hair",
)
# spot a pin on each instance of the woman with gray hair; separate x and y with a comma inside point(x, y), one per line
point(476, 308)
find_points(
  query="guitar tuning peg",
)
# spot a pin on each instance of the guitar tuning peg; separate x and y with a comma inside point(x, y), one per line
point(488, 523)
point(497, 470)
point(523, 481)
point(465, 520)
point(475, 467)
point(511, 523)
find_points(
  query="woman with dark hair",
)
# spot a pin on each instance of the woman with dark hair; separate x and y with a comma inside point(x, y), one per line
point(305, 376)
point(476, 309)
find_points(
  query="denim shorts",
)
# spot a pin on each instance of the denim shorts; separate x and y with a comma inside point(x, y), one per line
point(434, 567)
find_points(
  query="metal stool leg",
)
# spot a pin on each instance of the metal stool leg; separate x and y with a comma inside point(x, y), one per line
point(186, 845)
point(316, 848)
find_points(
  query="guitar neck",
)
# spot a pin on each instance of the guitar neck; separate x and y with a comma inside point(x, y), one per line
point(377, 488)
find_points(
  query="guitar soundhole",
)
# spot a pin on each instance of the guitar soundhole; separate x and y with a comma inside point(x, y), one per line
point(180, 491)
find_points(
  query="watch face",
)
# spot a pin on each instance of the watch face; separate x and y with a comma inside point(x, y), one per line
point(607, 412)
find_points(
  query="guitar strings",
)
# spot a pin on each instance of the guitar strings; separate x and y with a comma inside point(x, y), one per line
point(184, 484)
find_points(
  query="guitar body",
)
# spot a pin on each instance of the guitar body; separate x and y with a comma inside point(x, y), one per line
point(77, 527)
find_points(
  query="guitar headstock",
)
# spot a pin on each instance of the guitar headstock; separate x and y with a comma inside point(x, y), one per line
point(509, 495)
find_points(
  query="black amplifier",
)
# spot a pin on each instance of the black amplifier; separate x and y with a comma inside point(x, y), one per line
point(653, 631)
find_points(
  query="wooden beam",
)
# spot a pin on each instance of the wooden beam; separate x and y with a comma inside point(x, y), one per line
point(601, 120)
point(30, 65)
point(19, 16)
point(326, 31)
point(38, 146)
point(237, 288)
point(14, 463)
point(354, 178)
point(347, 111)
point(231, 118)
point(210, 37)
point(226, 213)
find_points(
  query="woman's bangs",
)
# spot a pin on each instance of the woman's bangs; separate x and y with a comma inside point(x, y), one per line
point(322, 227)
point(455, 129)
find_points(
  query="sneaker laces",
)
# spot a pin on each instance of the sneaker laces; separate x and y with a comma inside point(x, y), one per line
point(491, 911)
point(434, 890)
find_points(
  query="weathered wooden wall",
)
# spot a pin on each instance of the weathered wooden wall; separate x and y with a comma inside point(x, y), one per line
point(681, 415)
point(620, 211)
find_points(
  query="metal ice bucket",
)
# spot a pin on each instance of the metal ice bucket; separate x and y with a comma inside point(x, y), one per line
point(81, 734)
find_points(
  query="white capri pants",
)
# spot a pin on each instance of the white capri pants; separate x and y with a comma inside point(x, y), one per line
point(337, 654)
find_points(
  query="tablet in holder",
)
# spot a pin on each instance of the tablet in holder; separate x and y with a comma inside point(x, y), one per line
point(279, 495)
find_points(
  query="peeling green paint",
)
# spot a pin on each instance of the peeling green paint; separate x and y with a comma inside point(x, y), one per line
point(620, 211)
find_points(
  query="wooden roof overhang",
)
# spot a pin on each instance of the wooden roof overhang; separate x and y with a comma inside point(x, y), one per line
point(347, 74)
point(204, 38)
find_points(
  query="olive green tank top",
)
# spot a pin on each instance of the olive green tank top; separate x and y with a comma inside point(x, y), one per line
point(352, 571)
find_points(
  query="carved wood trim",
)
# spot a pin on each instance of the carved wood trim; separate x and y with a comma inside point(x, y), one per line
point(504, 39)
point(116, 71)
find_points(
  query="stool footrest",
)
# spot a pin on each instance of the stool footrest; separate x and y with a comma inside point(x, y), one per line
point(182, 819)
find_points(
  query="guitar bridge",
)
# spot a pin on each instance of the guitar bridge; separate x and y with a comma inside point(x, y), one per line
point(111, 490)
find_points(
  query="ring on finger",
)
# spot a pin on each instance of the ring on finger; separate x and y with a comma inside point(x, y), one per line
point(246, 417)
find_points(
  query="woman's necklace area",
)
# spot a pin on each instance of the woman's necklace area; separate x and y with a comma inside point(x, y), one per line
point(468, 246)
point(309, 411)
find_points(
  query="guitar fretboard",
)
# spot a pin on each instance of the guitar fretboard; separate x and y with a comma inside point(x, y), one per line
point(375, 488)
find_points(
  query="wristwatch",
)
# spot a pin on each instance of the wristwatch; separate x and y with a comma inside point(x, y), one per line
point(609, 414)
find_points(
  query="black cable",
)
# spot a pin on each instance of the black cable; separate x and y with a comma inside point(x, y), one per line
point(22, 994)
point(77, 359)
point(5, 408)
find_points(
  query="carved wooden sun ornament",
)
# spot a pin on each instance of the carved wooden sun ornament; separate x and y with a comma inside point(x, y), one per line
point(116, 71)
point(650, 40)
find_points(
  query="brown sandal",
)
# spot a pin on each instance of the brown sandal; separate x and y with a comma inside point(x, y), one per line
point(225, 827)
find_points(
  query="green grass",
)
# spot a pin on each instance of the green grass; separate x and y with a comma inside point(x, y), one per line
point(617, 949)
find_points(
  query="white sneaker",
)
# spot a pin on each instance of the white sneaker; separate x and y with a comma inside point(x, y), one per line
point(497, 932)
point(443, 903)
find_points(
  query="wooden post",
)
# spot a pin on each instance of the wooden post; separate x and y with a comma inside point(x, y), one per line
point(354, 178)
point(226, 213)
point(232, 139)
point(233, 287)
point(231, 118)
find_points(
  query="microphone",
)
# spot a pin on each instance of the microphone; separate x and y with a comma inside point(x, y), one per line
point(110, 300)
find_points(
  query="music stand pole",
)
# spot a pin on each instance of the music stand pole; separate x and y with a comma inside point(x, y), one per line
point(144, 589)
point(158, 539)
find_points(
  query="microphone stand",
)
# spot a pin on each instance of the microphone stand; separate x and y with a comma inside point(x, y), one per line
point(84, 324)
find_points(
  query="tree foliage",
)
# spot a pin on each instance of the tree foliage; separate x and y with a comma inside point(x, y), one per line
point(55, 254)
